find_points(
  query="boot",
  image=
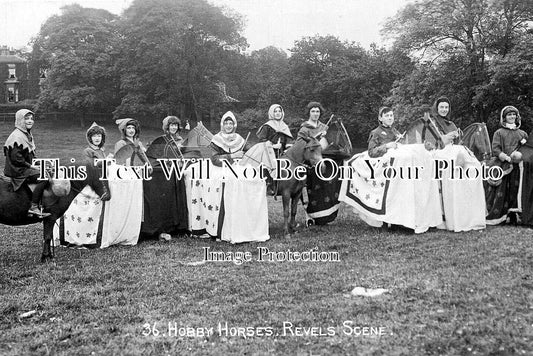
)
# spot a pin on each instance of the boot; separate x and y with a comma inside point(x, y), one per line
point(35, 210)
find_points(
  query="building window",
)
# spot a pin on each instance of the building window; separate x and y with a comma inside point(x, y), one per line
point(12, 71)
point(10, 95)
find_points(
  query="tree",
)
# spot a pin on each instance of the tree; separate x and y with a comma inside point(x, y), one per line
point(76, 49)
point(271, 67)
point(350, 81)
point(511, 83)
point(454, 40)
point(172, 53)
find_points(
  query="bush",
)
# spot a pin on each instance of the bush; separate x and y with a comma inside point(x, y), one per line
point(250, 119)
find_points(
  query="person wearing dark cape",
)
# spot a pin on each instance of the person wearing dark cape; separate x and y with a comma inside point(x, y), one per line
point(165, 200)
point(277, 132)
point(503, 199)
point(130, 143)
point(436, 130)
point(323, 195)
point(313, 127)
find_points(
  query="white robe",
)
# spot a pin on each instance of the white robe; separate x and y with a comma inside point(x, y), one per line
point(244, 202)
point(418, 204)
point(463, 199)
point(407, 201)
point(91, 222)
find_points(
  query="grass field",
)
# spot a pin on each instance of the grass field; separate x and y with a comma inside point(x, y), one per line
point(450, 293)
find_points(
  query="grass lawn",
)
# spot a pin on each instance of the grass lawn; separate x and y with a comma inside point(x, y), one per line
point(450, 293)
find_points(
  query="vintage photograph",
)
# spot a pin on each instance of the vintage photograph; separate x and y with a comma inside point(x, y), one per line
point(253, 177)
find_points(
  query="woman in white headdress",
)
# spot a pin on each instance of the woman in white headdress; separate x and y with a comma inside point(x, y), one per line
point(227, 144)
point(275, 130)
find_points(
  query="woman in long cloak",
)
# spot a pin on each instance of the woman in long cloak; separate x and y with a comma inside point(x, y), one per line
point(165, 200)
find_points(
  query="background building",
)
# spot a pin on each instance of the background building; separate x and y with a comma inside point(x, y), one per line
point(14, 81)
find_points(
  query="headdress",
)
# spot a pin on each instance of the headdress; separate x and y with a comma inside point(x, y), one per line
point(506, 110)
point(122, 123)
point(171, 120)
point(435, 108)
point(94, 130)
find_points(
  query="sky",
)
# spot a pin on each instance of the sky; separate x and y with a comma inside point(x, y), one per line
point(268, 22)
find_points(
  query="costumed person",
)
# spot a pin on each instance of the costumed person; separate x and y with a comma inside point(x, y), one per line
point(439, 130)
point(277, 132)
point(90, 223)
point(19, 150)
point(462, 200)
point(96, 138)
point(323, 196)
point(130, 130)
point(313, 127)
point(502, 200)
point(124, 213)
point(165, 200)
point(226, 207)
point(384, 137)
point(227, 144)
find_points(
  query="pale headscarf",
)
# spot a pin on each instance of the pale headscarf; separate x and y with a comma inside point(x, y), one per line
point(231, 142)
point(278, 125)
point(21, 136)
point(503, 114)
point(123, 123)
point(94, 130)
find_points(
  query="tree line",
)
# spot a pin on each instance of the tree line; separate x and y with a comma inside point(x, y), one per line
point(187, 57)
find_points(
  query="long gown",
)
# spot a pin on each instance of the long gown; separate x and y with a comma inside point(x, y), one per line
point(323, 196)
point(463, 201)
point(165, 200)
point(89, 222)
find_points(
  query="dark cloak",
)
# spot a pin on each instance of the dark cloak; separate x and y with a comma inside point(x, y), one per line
point(165, 201)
